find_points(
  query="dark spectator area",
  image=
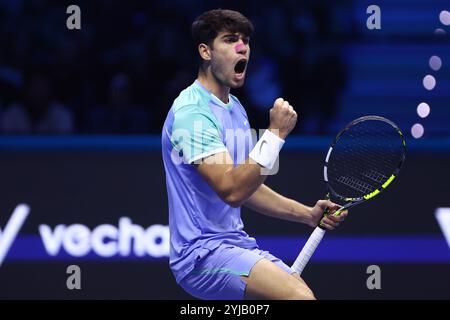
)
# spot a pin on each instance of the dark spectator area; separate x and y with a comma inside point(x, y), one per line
point(120, 73)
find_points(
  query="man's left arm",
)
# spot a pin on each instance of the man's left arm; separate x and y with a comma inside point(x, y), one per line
point(268, 202)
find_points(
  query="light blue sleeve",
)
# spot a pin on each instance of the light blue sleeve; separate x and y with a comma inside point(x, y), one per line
point(196, 134)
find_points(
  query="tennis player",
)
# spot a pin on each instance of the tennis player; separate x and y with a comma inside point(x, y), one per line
point(213, 168)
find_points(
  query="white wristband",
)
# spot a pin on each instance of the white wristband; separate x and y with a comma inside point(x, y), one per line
point(266, 149)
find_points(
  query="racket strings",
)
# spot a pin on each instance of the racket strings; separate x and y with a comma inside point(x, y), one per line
point(375, 176)
point(364, 157)
point(355, 184)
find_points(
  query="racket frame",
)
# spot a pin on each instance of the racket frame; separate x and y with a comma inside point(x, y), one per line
point(350, 202)
point(319, 232)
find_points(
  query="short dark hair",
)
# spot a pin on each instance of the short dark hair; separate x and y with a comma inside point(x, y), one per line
point(208, 25)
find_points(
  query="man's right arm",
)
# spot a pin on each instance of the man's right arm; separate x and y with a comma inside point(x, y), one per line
point(235, 185)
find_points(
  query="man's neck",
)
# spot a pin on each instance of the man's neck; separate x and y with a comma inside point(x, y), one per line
point(212, 85)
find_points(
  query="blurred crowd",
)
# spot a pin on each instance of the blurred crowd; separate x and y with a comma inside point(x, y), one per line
point(121, 72)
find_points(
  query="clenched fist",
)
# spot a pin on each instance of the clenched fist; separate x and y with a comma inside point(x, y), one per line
point(282, 118)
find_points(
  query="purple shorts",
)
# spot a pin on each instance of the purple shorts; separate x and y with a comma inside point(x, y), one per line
point(217, 276)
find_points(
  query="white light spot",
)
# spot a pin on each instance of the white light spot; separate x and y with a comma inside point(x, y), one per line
point(439, 32)
point(435, 63)
point(429, 82)
point(417, 130)
point(444, 16)
point(423, 110)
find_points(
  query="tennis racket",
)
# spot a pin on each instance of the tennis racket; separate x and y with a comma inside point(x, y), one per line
point(363, 159)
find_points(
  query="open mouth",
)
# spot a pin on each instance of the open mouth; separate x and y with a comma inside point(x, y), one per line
point(240, 66)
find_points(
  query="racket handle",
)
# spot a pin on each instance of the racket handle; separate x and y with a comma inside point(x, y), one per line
point(308, 250)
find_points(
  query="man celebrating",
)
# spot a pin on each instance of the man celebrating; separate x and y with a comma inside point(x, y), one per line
point(211, 171)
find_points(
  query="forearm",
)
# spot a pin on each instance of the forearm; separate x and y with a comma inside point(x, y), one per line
point(271, 203)
point(236, 184)
point(244, 180)
point(233, 184)
point(248, 177)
